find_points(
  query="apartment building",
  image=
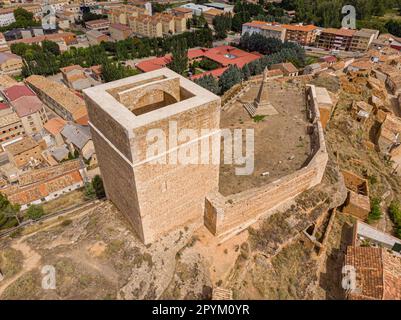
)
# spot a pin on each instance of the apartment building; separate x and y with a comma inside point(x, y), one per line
point(148, 26)
point(96, 37)
point(266, 29)
point(335, 39)
point(119, 31)
point(122, 13)
point(6, 17)
point(101, 25)
point(362, 39)
point(10, 63)
point(10, 124)
point(303, 34)
point(28, 107)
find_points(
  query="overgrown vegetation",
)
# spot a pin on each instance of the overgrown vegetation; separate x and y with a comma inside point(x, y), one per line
point(395, 216)
point(375, 211)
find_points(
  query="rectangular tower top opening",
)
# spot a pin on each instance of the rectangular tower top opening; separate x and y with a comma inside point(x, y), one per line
point(150, 94)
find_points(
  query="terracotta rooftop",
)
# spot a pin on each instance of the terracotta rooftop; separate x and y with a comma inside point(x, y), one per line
point(6, 81)
point(264, 25)
point(93, 23)
point(55, 125)
point(215, 73)
point(340, 32)
point(41, 190)
point(10, 118)
point(58, 92)
point(213, 12)
point(287, 67)
point(183, 10)
point(362, 64)
point(70, 68)
point(51, 37)
point(297, 27)
point(5, 56)
point(27, 143)
point(40, 175)
point(27, 105)
point(378, 273)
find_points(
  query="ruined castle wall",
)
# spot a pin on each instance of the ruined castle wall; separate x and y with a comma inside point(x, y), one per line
point(231, 214)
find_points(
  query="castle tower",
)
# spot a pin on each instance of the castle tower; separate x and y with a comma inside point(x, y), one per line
point(137, 125)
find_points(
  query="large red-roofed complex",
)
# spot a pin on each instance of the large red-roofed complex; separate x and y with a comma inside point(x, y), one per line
point(223, 55)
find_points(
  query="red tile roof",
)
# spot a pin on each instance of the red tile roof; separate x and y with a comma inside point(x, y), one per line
point(120, 26)
point(295, 27)
point(27, 105)
point(224, 55)
point(228, 55)
point(3, 106)
point(18, 91)
point(215, 73)
point(154, 64)
point(55, 125)
point(378, 273)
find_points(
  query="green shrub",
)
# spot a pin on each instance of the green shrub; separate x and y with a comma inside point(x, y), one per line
point(35, 212)
point(375, 212)
point(394, 210)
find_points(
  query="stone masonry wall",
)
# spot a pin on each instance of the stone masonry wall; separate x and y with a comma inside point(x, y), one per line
point(225, 216)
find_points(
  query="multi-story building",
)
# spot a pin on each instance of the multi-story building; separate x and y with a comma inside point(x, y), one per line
point(144, 25)
point(101, 25)
point(303, 34)
point(211, 14)
point(335, 39)
point(6, 17)
point(3, 43)
point(197, 9)
point(10, 124)
point(182, 12)
point(122, 13)
point(24, 151)
point(59, 98)
point(32, 113)
point(119, 31)
point(96, 37)
point(362, 39)
point(10, 63)
point(28, 107)
point(268, 30)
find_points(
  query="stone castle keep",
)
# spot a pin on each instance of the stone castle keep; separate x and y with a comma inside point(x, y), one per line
point(157, 195)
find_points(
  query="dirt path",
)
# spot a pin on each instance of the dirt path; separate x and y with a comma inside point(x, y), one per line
point(31, 257)
point(31, 261)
